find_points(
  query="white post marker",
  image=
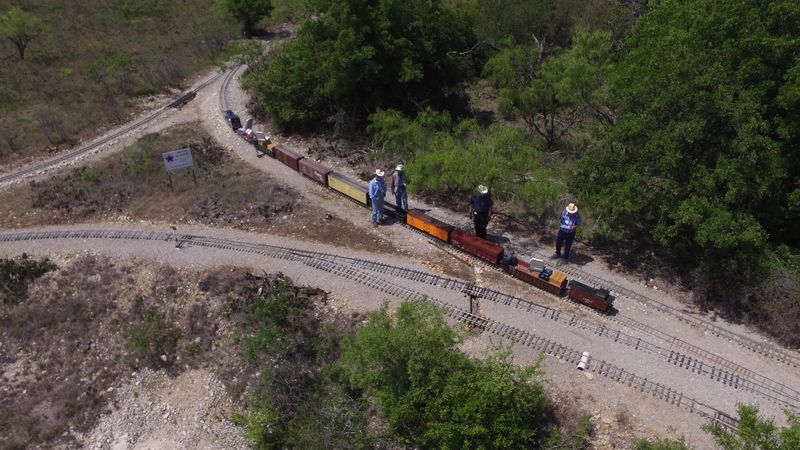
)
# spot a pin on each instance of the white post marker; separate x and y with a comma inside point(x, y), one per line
point(584, 361)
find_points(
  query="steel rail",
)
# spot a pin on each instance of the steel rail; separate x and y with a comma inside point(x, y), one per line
point(578, 274)
point(322, 260)
point(75, 153)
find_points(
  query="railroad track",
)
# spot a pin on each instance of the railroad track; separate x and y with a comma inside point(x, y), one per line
point(578, 274)
point(363, 275)
point(704, 363)
point(223, 89)
point(33, 169)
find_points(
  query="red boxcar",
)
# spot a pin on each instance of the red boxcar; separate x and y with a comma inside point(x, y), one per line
point(288, 157)
point(314, 170)
point(476, 246)
point(594, 298)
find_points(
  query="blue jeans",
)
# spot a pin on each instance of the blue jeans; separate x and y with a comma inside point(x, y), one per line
point(402, 199)
point(566, 238)
point(377, 209)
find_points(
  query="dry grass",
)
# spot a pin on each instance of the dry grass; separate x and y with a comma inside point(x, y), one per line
point(134, 183)
point(100, 57)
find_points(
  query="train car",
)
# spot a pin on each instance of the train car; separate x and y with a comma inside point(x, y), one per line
point(476, 246)
point(288, 157)
point(554, 285)
point(348, 187)
point(423, 222)
point(597, 299)
point(233, 120)
point(314, 170)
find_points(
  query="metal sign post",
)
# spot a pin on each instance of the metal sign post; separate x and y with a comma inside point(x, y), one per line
point(176, 160)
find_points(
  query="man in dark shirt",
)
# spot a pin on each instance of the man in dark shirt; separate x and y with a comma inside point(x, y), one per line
point(481, 210)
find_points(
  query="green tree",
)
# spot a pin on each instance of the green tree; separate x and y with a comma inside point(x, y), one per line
point(434, 395)
point(551, 95)
point(703, 159)
point(21, 28)
point(248, 12)
point(756, 433)
point(357, 56)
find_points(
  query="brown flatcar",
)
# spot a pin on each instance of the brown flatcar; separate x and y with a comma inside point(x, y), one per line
point(555, 285)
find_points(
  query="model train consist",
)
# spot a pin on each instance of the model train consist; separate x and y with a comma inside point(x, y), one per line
point(532, 271)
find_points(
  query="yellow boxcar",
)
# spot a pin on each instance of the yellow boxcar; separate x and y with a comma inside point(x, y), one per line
point(349, 188)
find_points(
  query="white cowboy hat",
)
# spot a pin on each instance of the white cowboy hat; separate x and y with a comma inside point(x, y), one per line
point(379, 172)
point(571, 208)
point(399, 167)
point(482, 189)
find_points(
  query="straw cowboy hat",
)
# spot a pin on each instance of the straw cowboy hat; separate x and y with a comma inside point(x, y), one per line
point(379, 172)
point(482, 189)
point(399, 167)
point(571, 208)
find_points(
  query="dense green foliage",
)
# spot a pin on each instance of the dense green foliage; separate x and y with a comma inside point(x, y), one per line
point(356, 56)
point(551, 95)
point(756, 432)
point(248, 12)
point(435, 396)
point(21, 28)
point(101, 59)
point(704, 157)
point(16, 274)
point(456, 157)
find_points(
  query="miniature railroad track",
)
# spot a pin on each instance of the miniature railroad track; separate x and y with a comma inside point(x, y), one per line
point(578, 274)
point(761, 348)
point(704, 363)
point(80, 151)
point(223, 89)
point(347, 269)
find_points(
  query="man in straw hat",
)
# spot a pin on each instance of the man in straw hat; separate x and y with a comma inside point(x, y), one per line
point(377, 190)
point(480, 207)
point(399, 183)
point(570, 219)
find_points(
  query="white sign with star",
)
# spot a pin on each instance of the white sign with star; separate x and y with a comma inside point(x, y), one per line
point(178, 159)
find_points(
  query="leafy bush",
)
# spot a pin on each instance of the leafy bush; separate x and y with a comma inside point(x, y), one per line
point(17, 274)
point(455, 158)
point(432, 394)
point(152, 340)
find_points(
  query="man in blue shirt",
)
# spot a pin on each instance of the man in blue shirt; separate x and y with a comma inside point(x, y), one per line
point(377, 190)
point(570, 219)
point(480, 207)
